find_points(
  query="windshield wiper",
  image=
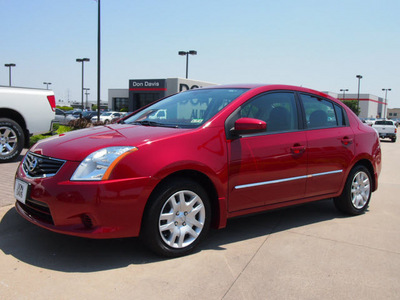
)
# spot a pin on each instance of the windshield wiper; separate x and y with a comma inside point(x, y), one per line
point(154, 124)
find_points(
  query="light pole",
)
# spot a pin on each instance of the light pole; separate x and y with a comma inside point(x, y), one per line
point(9, 66)
point(358, 94)
point(385, 108)
point(82, 60)
point(87, 94)
point(47, 84)
point(344, 91)
point(98, 59)
point(183, 53)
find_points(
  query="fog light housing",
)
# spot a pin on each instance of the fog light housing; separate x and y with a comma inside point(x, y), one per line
point(87, 221)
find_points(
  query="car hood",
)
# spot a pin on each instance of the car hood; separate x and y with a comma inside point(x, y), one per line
point(76, 145)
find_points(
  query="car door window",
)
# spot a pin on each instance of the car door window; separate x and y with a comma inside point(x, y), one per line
point(278, 110)
point(340, 115)
point(320, 113)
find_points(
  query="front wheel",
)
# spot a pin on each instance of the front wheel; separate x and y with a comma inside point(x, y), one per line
point(177, 219)
point(357, 192)
point(11, 140)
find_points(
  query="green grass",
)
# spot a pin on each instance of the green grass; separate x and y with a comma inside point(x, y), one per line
point(57, 129)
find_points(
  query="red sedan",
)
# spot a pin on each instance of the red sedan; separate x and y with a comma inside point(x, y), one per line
point(192, 160)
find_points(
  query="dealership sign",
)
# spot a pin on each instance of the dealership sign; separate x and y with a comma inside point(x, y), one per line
point(147, 85)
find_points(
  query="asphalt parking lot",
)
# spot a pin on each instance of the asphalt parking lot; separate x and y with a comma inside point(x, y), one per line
point(305, 252)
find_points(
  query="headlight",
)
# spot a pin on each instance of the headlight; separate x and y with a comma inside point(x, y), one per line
point(99, 164)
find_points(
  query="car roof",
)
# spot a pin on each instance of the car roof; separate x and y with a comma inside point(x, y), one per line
point(252, 86)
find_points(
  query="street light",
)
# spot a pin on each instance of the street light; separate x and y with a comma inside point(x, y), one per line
point(82, 60)
point(47, 84)
point(9, 66)
point(98, 59)
point(183, 53)
point(385, 109)
point(87, 94)
point(358, 95)
point(344, 91)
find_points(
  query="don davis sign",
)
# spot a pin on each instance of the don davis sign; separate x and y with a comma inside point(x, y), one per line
point(150, 83)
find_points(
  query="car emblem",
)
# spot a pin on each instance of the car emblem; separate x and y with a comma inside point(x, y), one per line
point(31, 164)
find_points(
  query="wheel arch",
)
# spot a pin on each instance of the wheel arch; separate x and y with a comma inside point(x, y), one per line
point(16, 117)
point(195, 176)
point(366, 163)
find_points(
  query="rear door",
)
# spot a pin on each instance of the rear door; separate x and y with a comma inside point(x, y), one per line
point(330, 145)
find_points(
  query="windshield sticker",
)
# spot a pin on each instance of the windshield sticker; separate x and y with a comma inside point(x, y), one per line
point(196, 121)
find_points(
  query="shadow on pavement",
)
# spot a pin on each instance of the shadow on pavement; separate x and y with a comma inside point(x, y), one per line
point(45, 249)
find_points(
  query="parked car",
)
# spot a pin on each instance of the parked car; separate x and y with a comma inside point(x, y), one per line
point(396, 122)
point(220, 152)
point(107, 117)
point(370, 121)
point(386, 129)
point(23, 112)
point(88, 115)
point(63, 117)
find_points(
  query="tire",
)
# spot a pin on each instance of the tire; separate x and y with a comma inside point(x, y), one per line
point(177, 219)
point(394, 140)
point(12, 140)
point(357, 192)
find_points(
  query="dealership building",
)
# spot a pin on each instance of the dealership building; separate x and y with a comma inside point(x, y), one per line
point(144, 91)
point(371, 106)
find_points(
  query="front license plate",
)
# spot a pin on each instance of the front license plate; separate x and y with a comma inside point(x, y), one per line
point(20, 190)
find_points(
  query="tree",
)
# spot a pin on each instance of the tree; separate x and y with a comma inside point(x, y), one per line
point(353, 105)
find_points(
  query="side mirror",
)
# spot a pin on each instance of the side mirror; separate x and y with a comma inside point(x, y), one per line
point(248, 126)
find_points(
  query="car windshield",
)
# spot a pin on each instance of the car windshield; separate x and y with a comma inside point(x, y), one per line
point(188, 109)
point(106, 114)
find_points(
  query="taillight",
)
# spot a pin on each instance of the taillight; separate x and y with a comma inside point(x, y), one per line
point(52, 102)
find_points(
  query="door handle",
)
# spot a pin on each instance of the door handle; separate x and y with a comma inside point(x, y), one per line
point(297, 149)
point(347, 141)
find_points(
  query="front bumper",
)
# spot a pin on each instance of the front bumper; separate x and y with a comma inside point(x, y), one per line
point(101, 209)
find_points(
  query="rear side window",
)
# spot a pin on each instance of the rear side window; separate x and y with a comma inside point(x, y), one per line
point(340, 115)
point(321, 113)
point(278, 110)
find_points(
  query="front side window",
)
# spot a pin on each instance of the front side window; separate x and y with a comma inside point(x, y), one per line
point(188, 109)
point(278, 110)
point(321, 113)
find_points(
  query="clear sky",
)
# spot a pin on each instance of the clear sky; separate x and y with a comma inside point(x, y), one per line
point(317, 44)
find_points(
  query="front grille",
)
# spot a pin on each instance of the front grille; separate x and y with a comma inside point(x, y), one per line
point(37, 166)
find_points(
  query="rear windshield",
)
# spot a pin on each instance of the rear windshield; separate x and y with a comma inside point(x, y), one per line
point(384, 123)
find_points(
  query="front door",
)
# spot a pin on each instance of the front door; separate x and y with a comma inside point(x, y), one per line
point(270, 167)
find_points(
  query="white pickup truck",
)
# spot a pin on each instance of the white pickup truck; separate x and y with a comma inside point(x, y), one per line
point(386, 129)
point(23, 112)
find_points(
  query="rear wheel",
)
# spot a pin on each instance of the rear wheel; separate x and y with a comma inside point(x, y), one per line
point(177, 219)
point(356, 194)
point(11, 140)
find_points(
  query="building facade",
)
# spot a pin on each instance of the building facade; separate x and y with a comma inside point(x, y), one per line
point(145, 91)
point(371, 106)
point(394, 113)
